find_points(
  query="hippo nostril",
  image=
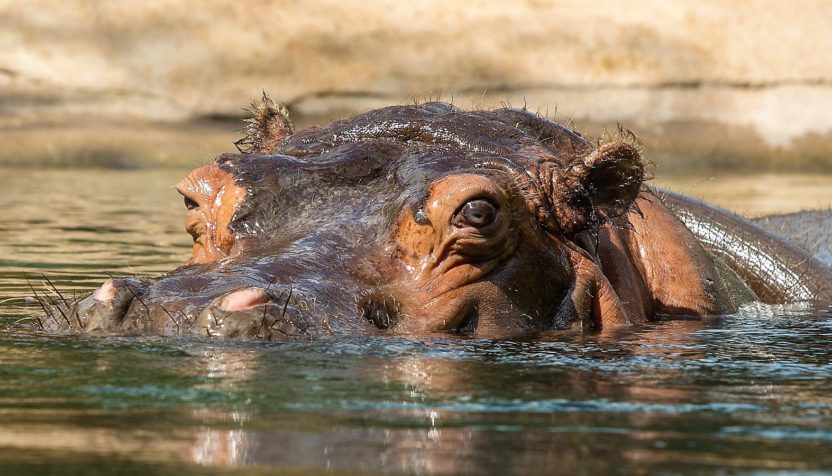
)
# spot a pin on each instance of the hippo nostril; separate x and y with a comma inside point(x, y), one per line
point(243, 299)
point(470, 320)
point(383, 312)
point(105, 292)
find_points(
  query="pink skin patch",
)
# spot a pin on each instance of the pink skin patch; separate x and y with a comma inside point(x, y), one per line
point(106, 292)
point(244, 299)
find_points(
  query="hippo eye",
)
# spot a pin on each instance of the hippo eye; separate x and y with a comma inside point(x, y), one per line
point(190, 204)
point(476, 213)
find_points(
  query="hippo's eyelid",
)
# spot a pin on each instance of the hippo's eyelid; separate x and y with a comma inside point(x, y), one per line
point(483, 196)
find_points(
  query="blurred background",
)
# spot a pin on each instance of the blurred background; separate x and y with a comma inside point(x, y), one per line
point(104, 105)
point(731, 99)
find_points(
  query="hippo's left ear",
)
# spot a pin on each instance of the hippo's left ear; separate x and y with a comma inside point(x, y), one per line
point(267, 127)
point(598, 187)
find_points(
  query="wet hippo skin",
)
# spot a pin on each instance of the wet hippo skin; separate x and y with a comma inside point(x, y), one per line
point(426, 218)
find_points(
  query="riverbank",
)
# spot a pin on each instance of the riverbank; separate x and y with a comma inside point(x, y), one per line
point(674, 149)
point(706, 84)
point(755, 195)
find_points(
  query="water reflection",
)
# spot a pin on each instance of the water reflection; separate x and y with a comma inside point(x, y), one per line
point(500, 406)
point(231, 368)
point(720, 393)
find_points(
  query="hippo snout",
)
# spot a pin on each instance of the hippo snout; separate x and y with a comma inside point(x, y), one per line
point(102, 312)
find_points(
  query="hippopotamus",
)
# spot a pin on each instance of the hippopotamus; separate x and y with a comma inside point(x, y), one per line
point(410, 220)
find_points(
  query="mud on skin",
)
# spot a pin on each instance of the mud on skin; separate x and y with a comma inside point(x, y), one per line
point(426, 218)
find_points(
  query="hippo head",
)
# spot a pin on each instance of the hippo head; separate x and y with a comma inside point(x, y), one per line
point(406, 219)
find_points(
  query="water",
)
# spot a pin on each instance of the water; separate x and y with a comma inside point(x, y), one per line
point(749, 393)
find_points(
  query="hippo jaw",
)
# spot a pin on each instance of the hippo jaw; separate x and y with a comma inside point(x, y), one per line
point(396, 221)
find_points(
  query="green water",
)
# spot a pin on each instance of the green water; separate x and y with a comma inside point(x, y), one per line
point(748, 393)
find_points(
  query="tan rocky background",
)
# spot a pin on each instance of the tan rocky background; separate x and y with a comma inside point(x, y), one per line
point(705, 83)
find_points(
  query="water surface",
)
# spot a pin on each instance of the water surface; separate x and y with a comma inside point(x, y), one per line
point(751, 392)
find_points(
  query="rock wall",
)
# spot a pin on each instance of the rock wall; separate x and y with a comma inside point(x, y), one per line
point(703, 82)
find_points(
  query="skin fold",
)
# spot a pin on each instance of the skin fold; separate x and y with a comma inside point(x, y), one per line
point(420, 219)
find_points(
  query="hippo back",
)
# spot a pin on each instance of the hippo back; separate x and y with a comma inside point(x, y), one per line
point(776, 269)
point(811, 230)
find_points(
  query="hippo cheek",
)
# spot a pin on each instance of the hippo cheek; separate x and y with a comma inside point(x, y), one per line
point(103, 311)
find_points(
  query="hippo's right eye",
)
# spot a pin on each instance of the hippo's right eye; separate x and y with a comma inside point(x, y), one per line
point(190, 204)
point(477, 213)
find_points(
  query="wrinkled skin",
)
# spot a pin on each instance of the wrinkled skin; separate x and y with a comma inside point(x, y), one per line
point(417, 219)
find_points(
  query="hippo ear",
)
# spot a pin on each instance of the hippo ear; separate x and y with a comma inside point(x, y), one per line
point(598, 187)
point(267, 127)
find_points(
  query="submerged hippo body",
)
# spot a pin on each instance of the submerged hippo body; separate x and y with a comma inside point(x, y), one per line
point(415, 219)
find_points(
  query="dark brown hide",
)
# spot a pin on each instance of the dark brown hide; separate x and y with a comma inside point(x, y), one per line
point(417, 219)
